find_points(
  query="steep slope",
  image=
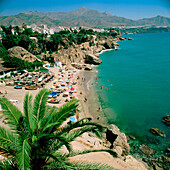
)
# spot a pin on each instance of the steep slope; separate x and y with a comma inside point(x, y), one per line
point(86, 17)
point(29, 19)
point(158, 20)
point(81, 17)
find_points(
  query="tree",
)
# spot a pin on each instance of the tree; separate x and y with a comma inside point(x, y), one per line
point(27, 31)
point(33, 137)
point(24, 25)
point(17, 30)
point(7, 30)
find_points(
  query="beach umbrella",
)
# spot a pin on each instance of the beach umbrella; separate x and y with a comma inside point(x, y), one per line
point(72, 88)
point(72, 118)
point(66, 92)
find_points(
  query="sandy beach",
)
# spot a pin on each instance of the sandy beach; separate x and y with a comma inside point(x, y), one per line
point(87, 108)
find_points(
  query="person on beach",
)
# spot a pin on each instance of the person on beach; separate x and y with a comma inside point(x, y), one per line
point(98, 118)
point(99, 108)
point(85, 99)
point(6, 92)
point(96, 78)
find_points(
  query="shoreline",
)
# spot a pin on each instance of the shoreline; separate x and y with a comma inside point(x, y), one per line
point(101, 52)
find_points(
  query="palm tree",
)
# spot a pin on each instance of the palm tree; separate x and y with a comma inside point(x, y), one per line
point(33, 138)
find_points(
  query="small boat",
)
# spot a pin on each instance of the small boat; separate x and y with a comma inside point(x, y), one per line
point(30, 88)
point(54, 101)
point(17, 87)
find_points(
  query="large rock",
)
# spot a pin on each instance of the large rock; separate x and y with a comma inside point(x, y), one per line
point(70, 55)
point(121, 38)
point(136, 165)
point(147, 150)
point(157, 132)
point(166, 119)
point(91, 59)
point(109, 44)
point(167, 150)
point(166, 160)
point(22, 53)
point(82, 66)
point(120, 139)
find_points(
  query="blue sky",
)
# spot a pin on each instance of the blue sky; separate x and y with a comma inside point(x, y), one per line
point(132, 9)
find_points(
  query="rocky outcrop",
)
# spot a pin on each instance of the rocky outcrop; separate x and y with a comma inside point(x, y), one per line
point(120, 141)
point(166, 120)
point(84, 53)
point(121, 38)
point(147, 150)
point(23, 54)
point(157, 132)
point(91, 59)
point(82, 66)
point(167, 150)
point(70, 55)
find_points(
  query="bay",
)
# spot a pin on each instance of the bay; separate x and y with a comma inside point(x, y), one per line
point(136, 87)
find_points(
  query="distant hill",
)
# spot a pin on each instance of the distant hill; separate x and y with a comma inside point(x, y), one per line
point(29, 19)
point(158, 20)
point(80, 17)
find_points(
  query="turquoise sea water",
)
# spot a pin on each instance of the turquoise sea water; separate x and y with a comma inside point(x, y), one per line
point(140, 96)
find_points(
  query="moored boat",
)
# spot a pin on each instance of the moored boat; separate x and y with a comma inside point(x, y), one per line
point(30, 88)
point(17, 87)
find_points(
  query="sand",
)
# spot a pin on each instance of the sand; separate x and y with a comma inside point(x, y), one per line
point(87, 109)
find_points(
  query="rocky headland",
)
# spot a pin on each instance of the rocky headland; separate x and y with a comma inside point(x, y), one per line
point(84, 53)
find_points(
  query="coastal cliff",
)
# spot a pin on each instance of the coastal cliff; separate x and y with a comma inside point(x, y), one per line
point(84, 53)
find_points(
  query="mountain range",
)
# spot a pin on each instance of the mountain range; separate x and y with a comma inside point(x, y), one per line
point(80, 17)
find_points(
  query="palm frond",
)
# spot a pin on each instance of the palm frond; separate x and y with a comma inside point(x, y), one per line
point(63, 113)
point(6, 164)
point(28, 111)
point(91, 165)
point(23, 156)
point(74, 134)
point(57, 139)
point(45, 122)
point(113, 153)
point(7, 141)
point(81, 123)
point(12, 113)
point(39, 105)
point(59, 162)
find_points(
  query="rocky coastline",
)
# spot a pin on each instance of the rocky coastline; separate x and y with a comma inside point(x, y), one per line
point(84, 53)
point(82, 57)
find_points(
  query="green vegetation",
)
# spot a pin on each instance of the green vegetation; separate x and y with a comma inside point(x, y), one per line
point(37, 43)
point(63, 39)
point(34, 137)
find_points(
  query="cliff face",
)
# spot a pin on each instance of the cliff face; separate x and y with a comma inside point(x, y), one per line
point(23, 54)
point(84, 53)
